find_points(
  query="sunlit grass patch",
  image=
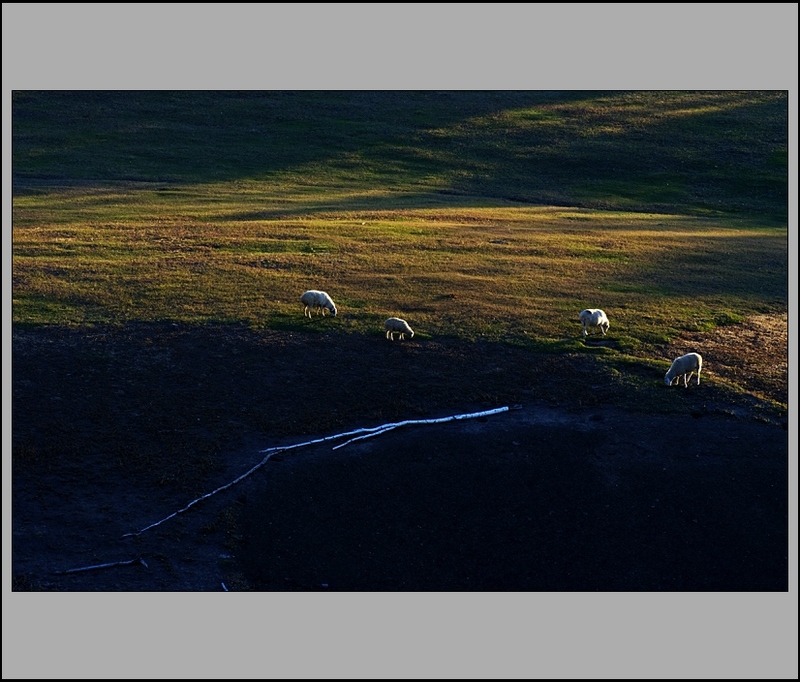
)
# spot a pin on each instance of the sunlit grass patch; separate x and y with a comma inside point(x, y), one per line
point(476, 216)
point(492, 273)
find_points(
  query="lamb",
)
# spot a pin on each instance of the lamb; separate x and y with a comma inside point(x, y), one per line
point(684, 366)
point(394, 325)
point(592, 318)
point(317, 300)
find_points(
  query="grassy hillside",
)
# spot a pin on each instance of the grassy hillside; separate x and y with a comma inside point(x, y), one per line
point(687, 152)
point(473, 214)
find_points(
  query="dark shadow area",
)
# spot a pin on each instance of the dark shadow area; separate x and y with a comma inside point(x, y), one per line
point(203, 136)
point(590, 485)
point(529, 502)
point(707, 152)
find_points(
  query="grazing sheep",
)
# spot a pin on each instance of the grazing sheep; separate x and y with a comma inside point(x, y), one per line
point(317, 300)
point(684, 366)
point(394, 325)
point(593, 318)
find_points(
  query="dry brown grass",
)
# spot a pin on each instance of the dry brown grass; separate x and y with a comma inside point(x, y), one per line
point(753, 355)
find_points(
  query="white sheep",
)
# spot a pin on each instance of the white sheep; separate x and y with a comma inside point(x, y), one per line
point(593, 318)
point(317, 300)
point(394, 325)
point(684, 366)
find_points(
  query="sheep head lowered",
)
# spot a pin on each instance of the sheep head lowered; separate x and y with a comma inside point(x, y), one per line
point(593, 318)
point(394, 325)
point(684, 366)
point(319, 301)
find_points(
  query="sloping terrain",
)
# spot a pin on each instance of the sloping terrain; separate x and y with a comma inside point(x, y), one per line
point(119, 432)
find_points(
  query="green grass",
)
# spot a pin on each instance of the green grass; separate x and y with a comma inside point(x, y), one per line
point(475, 215)
point(723, 152)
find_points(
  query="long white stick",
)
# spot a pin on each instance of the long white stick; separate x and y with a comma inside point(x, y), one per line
point(378, 430)
point(367, 435)
point(213, 492)
point(370, 431)
point(139, 560)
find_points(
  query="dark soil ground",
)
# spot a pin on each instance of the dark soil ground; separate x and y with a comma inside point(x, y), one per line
point(121, 434)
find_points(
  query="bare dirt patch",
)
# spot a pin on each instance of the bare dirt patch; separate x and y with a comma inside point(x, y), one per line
point(116, 429)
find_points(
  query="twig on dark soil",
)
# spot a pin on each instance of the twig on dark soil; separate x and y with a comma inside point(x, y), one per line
point(138, 560)
point(371, 431)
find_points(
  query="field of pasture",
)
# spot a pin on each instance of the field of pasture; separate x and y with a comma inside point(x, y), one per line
point(161, 241)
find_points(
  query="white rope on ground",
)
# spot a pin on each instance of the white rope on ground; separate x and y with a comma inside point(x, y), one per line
point(370, 431)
